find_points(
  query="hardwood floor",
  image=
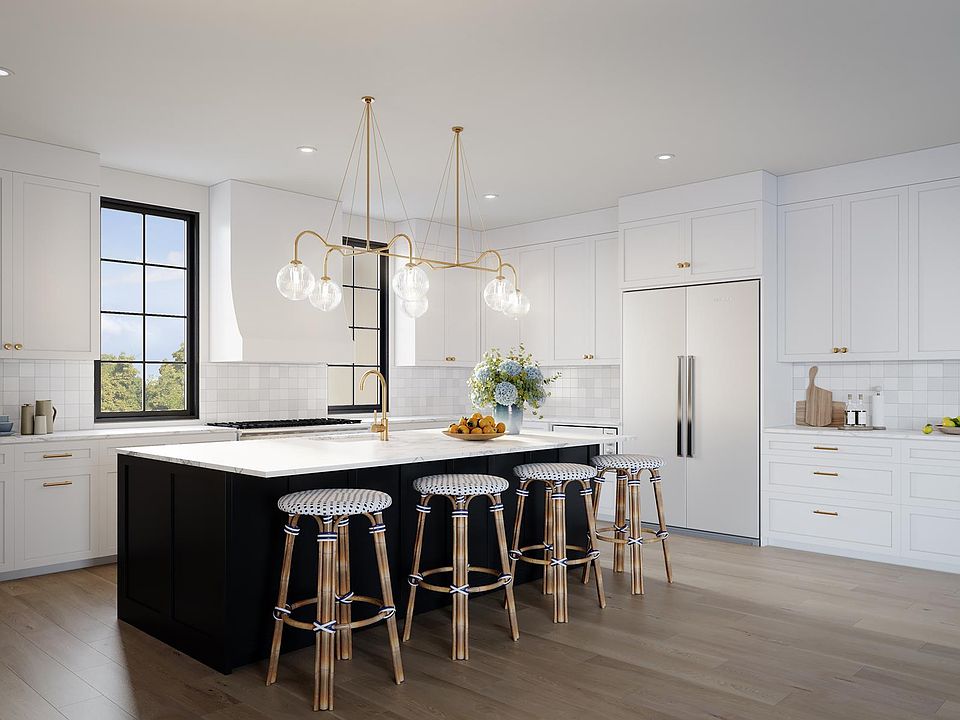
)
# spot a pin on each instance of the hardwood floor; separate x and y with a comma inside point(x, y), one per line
point(744, 632)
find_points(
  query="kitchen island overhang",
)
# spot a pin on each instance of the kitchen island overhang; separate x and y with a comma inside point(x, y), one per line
point(200, 536)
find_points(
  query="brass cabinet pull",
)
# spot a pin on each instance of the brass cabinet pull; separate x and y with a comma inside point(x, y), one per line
point(826, 474)
point(843, 349)
point(836, 350)
point(450, 358)
point(8, 346)
point(682, 265)
point(18, 346)
point(831, 513)
point(686, 264)
point(48, 456)
point(58, 484)
point(824, 447)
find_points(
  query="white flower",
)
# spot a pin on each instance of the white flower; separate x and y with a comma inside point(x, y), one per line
point(505, 393)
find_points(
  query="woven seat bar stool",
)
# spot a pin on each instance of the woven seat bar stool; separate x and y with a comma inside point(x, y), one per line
point(627, 532)
point(332, 509)
point(460, 490)
point(555, 478)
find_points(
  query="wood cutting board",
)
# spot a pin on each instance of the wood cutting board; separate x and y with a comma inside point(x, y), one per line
point(819, 403)
point(800, 416)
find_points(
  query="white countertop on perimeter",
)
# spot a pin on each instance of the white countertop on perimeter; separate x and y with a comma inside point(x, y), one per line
point(347, 451)
point(119, 432)
point(851, 434)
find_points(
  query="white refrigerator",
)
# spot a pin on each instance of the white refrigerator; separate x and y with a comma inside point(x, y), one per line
point(691, 394)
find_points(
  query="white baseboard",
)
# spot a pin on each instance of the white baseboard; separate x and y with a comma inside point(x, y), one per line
point(61, 567)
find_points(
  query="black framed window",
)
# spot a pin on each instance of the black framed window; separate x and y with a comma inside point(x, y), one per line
point(148, 312)
point(365, 300)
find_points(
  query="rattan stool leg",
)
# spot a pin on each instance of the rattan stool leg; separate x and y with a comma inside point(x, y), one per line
point(505, 564)
point(290, 532)
point(620, 522)
point(597, 484)
point(461, 583)
point(549, 546)
point(344, 613)
point(635, 540)
point(559, 557)
point(325, 635)
point(592, 533)
point(386, 592)
point(658, 496)
point(522, 493)
point(423, 509)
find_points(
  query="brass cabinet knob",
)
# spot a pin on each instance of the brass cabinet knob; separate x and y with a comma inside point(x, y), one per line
point(586, 357)
point(836, 349)
point(18, 346)
point(8, 346)
point(679, 266)
point(843, 349)
point(450, 358)
point(686, 264)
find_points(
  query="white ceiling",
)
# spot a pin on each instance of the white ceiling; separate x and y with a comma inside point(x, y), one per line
point(565, 102)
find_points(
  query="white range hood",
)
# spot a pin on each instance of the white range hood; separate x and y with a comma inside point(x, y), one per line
point(251, 237)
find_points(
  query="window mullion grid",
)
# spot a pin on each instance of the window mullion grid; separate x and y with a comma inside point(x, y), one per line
point(143, 308)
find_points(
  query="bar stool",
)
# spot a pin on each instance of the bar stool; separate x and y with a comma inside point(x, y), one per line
point(332, 509)
point(627, 529)
point(555, 478)
point(460, 490)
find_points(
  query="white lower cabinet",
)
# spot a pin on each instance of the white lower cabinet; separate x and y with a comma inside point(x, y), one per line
point(108, 510)
point(6, 522)
point(55, 515)
point(875, 497)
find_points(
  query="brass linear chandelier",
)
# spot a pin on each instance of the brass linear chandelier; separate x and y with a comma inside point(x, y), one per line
point(296, 281)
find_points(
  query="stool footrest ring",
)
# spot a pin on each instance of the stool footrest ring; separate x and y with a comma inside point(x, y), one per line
point(590, 555)
point(654, 536)
point(502, 580)
point(383, 613)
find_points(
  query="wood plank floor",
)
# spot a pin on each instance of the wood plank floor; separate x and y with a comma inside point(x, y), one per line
point(744, 632)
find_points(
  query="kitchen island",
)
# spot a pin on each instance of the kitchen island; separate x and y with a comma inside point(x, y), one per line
point(201, 538)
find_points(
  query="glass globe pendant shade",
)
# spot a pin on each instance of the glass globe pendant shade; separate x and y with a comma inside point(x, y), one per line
point(496, 292)
point(517, 305)
point(410, 282)
point(326, 295)
point(415, 308)
point(295, 281)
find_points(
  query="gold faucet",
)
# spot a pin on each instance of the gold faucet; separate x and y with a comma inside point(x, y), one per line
point(382, 426)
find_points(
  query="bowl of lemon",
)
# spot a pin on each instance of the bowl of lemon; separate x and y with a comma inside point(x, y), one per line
point(476, 427)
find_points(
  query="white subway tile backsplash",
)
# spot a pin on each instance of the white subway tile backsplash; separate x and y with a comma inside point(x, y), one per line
point(915, 393)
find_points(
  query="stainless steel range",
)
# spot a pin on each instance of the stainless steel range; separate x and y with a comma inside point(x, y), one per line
point(248, 429)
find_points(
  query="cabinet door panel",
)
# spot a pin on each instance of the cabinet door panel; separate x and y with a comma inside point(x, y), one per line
point(874, 286)
point(6, 264)
point(536, 281)
point(574, 301)
point(725, 243)
point(607, 310)
point(429, 326)
point(108, 512)
point(809, 261)
point(650, 252)
point(500, 331)
point(6, 522)
point(934, 259)
point(56, 511)
point(55, 256)
point(461, 315)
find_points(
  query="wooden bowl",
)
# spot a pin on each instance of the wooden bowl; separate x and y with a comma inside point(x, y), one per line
point(469, 436)
point(949, 430)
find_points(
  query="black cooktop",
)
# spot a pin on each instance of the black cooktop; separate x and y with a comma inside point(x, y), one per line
point(299, 422)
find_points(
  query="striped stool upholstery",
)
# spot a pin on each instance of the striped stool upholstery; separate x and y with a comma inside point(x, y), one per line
point(460, 490)
point(626, 533)
point(555, 478)
point(332, 509)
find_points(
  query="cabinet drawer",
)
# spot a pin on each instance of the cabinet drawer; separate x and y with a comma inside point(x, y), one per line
point(940, 452)
point(6, 458)
point(33, 456)
point(932, 534)
point(55, 518)
point(838, 524)
point(838, 444)
point(878, 482)
point(932, 486)
point(108, 448)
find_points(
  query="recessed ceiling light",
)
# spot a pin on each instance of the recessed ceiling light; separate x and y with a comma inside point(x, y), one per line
point(307, 149)
point(490, 196)
point(665, 156)
point(5, 72)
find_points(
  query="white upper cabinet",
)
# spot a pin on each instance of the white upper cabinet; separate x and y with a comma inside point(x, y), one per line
point(934, 260)
point(500, 331)
point(50, 265)
point(574, 301)
point(607, 306)
point(448, 333)
point(718, 244)
point(809, 257)
point(843, 278)
point(536, 281)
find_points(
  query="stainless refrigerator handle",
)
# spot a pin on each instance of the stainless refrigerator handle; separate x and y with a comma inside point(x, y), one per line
point(689, 406)
point(679, 405)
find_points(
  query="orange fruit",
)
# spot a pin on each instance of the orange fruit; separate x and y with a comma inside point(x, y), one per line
point(476, 431)
point(501, 428)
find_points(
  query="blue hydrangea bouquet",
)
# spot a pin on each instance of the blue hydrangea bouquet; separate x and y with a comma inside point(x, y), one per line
point(509, 383)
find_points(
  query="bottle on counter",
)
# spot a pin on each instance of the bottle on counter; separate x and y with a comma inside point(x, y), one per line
point(861, 410)
point(877, 411)
point(849, 411)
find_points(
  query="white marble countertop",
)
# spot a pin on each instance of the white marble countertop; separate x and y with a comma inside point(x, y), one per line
point(347, 451)
point(119, 432)
point(880, 434)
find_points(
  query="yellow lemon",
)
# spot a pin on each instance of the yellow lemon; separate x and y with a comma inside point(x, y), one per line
point(927, 429)
point(948, 422)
